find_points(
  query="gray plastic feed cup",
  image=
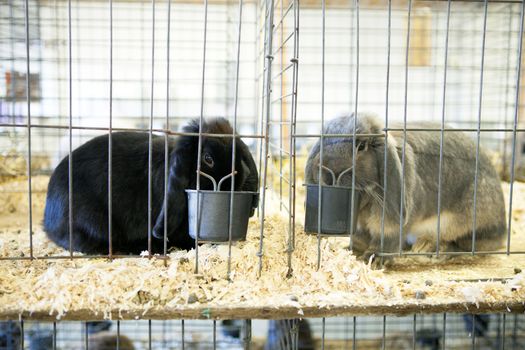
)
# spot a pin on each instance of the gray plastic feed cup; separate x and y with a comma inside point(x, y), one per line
point(214, 214)
point(336, 210)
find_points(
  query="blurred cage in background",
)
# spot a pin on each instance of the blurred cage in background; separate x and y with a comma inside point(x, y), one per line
point(432, 332)
point(282, 104)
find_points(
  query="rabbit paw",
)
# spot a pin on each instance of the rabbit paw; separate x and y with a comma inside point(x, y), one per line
point(424, 245)
point(158, 231)
point(371, 258)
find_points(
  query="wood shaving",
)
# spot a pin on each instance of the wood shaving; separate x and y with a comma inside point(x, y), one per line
point(14, 196)
point(13, 164)
point(159, 288)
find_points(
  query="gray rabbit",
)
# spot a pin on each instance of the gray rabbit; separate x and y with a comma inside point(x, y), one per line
point(420, 199)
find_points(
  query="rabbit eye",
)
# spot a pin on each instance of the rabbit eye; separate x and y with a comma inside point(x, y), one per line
point(208, 160)
point(361, 146)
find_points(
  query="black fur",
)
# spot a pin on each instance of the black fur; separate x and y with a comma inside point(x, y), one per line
point(130, 188)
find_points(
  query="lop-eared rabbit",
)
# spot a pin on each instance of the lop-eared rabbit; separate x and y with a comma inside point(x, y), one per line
point(420, 198)
point(130, 188)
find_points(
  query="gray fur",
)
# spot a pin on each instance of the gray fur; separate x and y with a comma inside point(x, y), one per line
point(420, 186)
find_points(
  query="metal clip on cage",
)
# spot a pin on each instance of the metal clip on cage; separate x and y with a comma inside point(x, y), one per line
point(336, 211)
point(213, 223)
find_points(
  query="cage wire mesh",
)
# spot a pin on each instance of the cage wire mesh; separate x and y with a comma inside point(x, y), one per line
point(73, 70)
point(438, 331)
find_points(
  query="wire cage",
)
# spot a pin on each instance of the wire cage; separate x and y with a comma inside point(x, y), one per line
point(280, 72)
point(436, 331)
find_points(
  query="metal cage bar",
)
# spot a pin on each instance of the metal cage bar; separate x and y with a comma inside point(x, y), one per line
point(166, 143)
point(199, 147)
point(110, 132)
point(354, 129)
point(70, 162)
point(321, 147)
point(442, 132)
point(385, 160)
point(150, 134)
point(403, 157)
point(266, 113)
point(292, 141)
point(28, 94)
point(478, 133)
point(234, 140)
point(515, 125)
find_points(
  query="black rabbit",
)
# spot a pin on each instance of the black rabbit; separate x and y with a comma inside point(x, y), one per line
point(130, 188)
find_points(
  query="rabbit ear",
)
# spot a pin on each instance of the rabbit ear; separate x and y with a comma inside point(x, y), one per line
point(394, 178)
point(183, 163)
point(250, 176)
point(250, 181)
point(184, 157)
point(243, 171)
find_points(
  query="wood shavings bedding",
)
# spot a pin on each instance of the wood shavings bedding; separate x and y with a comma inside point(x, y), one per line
point(14, 197)
point(13, 164)
point(143, 284)
point(156, 288)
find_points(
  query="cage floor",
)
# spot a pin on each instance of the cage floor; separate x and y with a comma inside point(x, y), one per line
point(132, 288)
